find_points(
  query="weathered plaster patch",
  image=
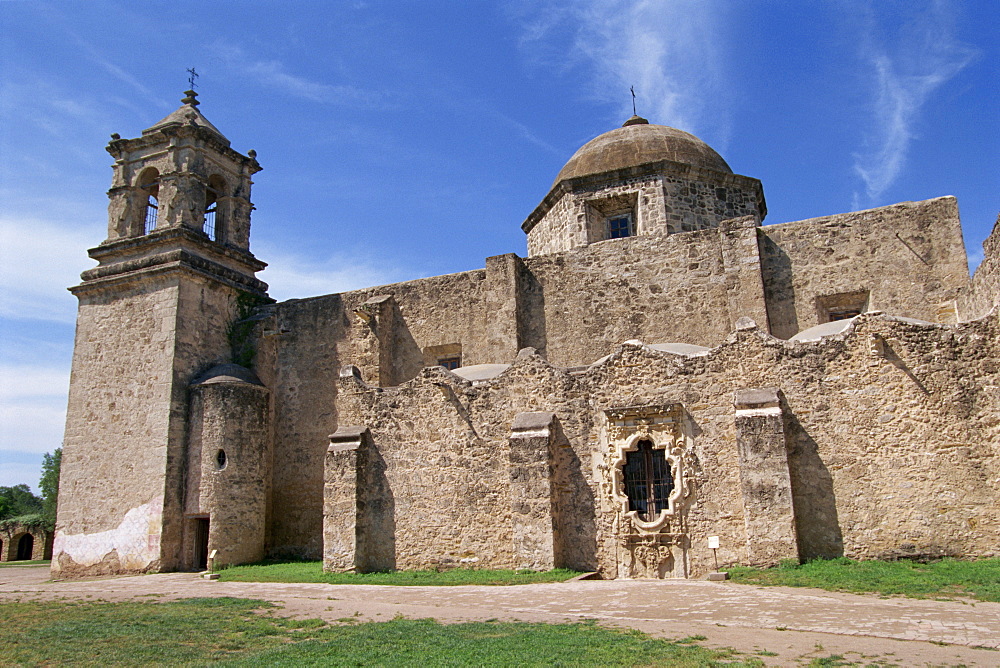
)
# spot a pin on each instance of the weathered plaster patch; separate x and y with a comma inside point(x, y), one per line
point(136, 540)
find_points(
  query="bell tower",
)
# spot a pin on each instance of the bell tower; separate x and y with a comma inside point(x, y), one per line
point(153, 315)
point(181, 174)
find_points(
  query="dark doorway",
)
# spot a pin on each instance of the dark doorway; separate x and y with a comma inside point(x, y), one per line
point(25, 547)
point(201, 543)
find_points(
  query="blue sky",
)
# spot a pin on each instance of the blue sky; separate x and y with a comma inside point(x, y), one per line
point(411, 138)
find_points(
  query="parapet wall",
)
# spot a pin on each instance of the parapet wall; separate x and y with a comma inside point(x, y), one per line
point(306, 342)
point(664, 288)
point(853, 406)
point(983, 293)
point(905, 259)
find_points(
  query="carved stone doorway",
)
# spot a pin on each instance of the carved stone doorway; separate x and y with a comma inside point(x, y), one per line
point(646, 457)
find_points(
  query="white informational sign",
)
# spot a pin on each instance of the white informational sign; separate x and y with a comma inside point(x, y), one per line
point(713, 542)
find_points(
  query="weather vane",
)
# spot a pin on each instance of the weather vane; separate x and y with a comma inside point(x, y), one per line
point(632, 90)
point(194, 75)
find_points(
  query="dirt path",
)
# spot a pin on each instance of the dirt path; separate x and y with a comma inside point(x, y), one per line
point(797, 624)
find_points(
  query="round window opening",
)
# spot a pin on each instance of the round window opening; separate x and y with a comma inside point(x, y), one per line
point(220, 459)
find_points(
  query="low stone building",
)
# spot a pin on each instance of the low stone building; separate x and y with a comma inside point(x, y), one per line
point(19, 542)
point(660, 369)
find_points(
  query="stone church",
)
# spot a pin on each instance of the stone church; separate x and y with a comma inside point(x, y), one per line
point(660, 369)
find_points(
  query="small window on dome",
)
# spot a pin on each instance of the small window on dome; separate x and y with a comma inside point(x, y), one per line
point(620, 226)
point(612, 217)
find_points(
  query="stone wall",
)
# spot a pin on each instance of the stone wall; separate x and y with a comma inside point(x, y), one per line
point(138, 346)
point(110, 495)
point(575, 306)
point(854, 406)
point(657, 288)
point(312, 338)
point(983, 293)
point(447, 462)
point(907, 258)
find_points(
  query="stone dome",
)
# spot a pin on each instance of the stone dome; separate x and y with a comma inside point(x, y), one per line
point(638, 142)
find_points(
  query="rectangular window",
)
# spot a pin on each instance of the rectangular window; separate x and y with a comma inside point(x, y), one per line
point(843, 313)
point(620, 226)
point(448, 355)
point(450, 363)
point(841, 306)
point(648, 480)
point(209, 227)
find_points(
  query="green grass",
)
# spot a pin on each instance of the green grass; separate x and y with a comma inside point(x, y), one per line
point(948, 578)
point(35, 562)
point(242, 632)
point(312, 571)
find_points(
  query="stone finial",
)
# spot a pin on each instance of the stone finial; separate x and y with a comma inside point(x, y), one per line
point(115, 136)
point(757, 397)
point(349, 437)
point(635, 120)
point(532, 422)
point(190, 98)
point(252, 153)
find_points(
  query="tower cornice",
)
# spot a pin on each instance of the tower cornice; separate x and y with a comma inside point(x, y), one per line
point(177, 247)
point(169, 137)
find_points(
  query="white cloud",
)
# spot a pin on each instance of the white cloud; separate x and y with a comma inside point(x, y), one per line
point(116, 71)
point(19, 382)
point(293, 277)
point(906, 69)
point(523, 131)
point(273, 74)
point(38, 261)
point(32, 407)
point(670, 50)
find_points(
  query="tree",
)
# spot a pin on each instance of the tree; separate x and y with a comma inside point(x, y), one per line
point(49, 484)
point(17, 501)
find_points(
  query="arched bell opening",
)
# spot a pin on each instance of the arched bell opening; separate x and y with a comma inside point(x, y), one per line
point(148, 186)
point(215, 191)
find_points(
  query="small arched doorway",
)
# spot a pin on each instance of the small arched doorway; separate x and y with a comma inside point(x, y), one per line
point(25, 546)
